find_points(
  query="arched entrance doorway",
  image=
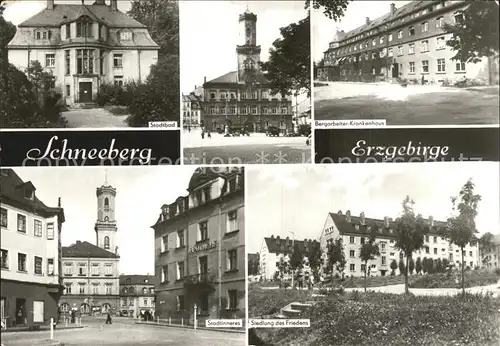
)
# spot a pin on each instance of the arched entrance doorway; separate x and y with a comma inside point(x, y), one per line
point(85, 309)
point(64, 307)
point(249, 126)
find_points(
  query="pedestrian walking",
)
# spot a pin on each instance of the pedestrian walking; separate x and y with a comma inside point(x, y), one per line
point(209, 134)
point(202, 133)
point(108, 319)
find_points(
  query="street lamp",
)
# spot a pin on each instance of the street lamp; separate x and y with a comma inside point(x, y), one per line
point(293, 247)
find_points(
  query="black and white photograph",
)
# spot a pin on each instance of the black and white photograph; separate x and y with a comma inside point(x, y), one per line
point(386, 254)
point(123, 256)
point(245, 82)
point(89, 63)
point(406, 62)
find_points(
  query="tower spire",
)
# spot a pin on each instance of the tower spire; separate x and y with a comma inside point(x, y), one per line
point(106, 176)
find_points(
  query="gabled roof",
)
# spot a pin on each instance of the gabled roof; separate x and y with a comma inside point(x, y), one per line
point(85, 249)
point(67, 13)
point(232, 78)
point(286, 245)
point(12, 189)
point(206, 174)
point(356, 226)
point(134, 279)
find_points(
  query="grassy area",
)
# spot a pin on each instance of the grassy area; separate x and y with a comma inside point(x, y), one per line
point(453, 280)
point(117, 110)
point(362, 319)
point(374, 281)
point(267, 302)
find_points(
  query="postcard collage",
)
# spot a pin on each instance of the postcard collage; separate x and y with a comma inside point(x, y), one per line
point(218, 172)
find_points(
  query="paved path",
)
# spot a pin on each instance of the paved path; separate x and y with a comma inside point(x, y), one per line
point(413, 105)
point(257, 149)
point(124, 332)
point(95, 117)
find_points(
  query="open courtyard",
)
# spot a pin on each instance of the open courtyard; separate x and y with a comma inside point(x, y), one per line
point(124, 332)
point(254, 149)
point(413, 105)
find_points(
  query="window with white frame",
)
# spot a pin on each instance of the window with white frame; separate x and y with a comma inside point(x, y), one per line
point(352, 267)
point(37, 228)
point(95, 269)
point(232, 299)
point(3, 217)
point(109, 288)
point(164, 273)
point(180, 238)
point(412, 66)
point(411, 49)
point(95, 288)
point(4, 260)
point(390, 52)
point(21, 223)
point(411, 31)
point(425, 46)
point(50, 231)
point(440, 43)
point(82, 270)
point(68, 288)
point(203, 231)
point(400, 50)
point(21, 262)
point(460, 67)
point(232, 260)
point(180, 270)
point(68, 269)
point(400, 34)
point(126, 35)
point(38, 265)
point(118, 60)
point(352, 253)
point(50, 266)
point(81, 288)
point(425, 26)
point(232, 221)
point(50, 60)
point(164, 243)
point(439, 22)
point(441, 65)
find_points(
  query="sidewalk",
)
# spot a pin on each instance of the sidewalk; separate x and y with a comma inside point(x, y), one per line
point(173, 325)
point(193, 140)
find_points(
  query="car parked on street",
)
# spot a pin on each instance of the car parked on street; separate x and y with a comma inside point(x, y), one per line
point(273, 131)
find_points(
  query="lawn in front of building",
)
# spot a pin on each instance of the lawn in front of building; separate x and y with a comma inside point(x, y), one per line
point(471, 106)
point(358, 318)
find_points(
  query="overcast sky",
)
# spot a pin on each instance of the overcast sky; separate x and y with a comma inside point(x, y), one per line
point(355, 16)
point(17, 11)
point(298, 198)
point(209, 33)
point(141, 191)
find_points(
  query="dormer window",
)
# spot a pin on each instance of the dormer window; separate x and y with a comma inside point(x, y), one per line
point(125, 35)
point(84, 27)
point(43, 35)
point(29, 194)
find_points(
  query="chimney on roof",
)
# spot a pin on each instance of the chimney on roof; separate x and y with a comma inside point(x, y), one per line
point(78, 241)
point(116, 250)
point(367, 20)
point(348, 216)
point(339, 212)
point(59, 202)
point(431, 221)
point(272, 236)
point(204, 79)
point(114, 5)
point(50, 4)
point(386, 222)
point(393, 8)
point(362, 218)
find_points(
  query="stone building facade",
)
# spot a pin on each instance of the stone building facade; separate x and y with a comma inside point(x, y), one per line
point(200, 249)
point(84, 46)
point(407, 43)
point(243, 99)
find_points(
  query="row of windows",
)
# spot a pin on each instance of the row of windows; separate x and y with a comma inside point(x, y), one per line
point(85, 288)
point(352, 266)
point(247, 110)
point(201, 234)
point(130, 302)
point(22, 225)
point(145, 290)
point(200, 197)
point(254, 95)
point(22, 263)
point(85, 61)
point(424, 26)
point(231, 302)
point(82, 269)
point(231, 265)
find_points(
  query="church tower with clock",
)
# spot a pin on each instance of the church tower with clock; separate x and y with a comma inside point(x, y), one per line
point(105, 226)
point(248, 51)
